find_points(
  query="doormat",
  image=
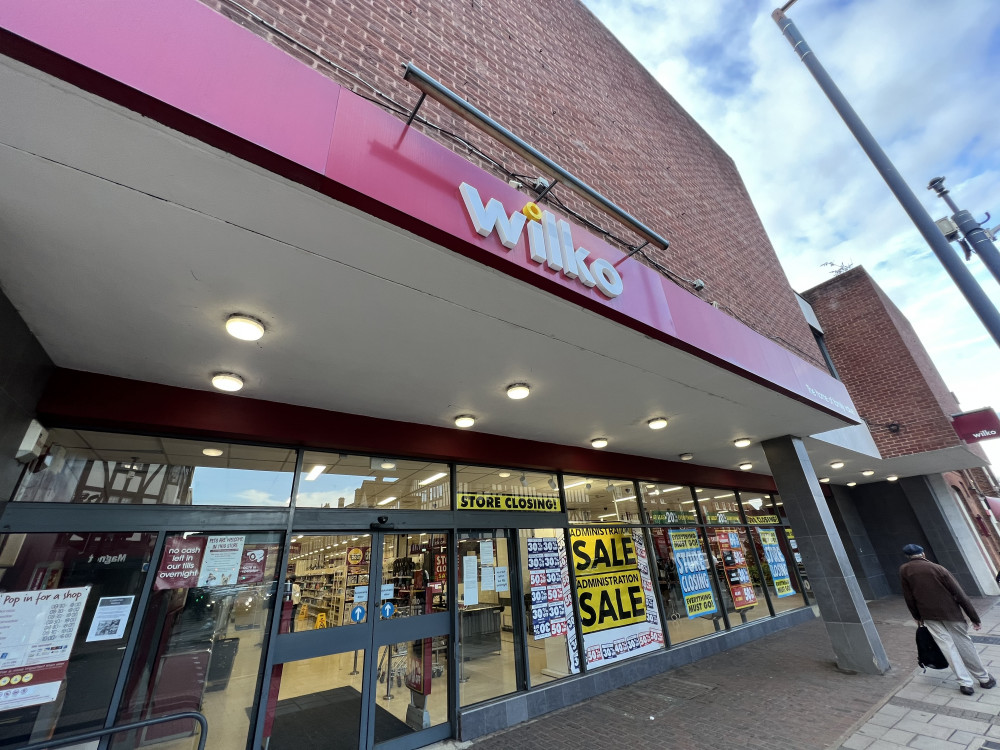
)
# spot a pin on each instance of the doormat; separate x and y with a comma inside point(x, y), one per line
point(328, 719)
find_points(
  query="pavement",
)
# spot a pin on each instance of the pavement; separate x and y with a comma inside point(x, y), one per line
point(784, 692)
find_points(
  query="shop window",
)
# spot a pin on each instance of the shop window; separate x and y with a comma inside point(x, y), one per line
point(487, 489)
point(489, 641)
point(758, 509)
point(342, 480)
point(203, 637)
point(777, 568)
point(668, 504)
point(718, 507)
point(79, 466)
point(619, 617)
point(690, 601)
point(796, 555)
point(739, 577)
point(414, 575)
point(548, 606)
point(598, 500)
point(328, 578)
point(75, 596)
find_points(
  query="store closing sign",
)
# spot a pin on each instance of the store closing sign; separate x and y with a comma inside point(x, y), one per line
point(614, 593)
point(481, 501)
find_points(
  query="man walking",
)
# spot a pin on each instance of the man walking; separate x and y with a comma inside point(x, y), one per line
point(937, 601)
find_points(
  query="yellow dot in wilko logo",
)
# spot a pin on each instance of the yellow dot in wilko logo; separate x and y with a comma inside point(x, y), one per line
point(28, 677)
point(4, 681)
point(532, 211)
point(15, 679)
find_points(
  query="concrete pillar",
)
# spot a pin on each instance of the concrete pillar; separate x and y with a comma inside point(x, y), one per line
point(952, 542)
point(848, 622)
point(860, 550)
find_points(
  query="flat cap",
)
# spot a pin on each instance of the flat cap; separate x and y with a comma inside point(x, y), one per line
point(913, 549)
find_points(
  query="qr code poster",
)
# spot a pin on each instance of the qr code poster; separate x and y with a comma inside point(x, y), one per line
point(110, 618)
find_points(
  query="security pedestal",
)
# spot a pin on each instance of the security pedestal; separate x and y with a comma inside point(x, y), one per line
point(848, 622)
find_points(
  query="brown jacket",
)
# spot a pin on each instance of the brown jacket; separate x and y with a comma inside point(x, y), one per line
point(932, 593)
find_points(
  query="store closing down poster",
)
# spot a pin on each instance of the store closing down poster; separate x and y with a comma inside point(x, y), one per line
point(545, 577)
point(692, 572)
point(735, 564)
point(37, 630)
point(776, 563)
point(618, 612)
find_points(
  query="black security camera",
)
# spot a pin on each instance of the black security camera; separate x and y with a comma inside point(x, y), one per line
point(383, 519)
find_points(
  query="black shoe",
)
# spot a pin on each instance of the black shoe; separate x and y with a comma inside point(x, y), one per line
point(966, 690)
point(990, 683)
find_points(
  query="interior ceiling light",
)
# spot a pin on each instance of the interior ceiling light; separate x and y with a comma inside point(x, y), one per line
point(657, 423)
point(524, 480)
point(611, 486)
point(227, 381)
point(314, 472)
point(742, 442)
point(503, 474)
point(386, 501)
point(891, 478)
point(837, 465)
point(599, 442)
point(575, 484)
point(244, 328)
point(213, 452)
point(867, 472)
point(852, 484)
point(686, 456)
point(824, 480)
point(386, 464)
point(434, 478)
point(517, 391)
point(552, 483)
point(465, 420)
point(746, 466)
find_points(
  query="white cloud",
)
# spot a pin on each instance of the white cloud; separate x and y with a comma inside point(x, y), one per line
point(921, 74)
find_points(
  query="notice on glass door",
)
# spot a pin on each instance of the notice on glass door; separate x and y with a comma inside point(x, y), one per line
point(110, 618)
point(470, 577)
point(37, 631)
point(220, 565)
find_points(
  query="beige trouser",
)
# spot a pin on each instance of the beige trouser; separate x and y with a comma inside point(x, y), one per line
point(953, 640)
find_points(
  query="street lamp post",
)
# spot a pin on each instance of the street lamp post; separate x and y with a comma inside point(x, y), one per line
point(961, 275)
point(977, 239)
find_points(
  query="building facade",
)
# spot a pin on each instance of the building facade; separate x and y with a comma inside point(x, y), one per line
point(527, 410)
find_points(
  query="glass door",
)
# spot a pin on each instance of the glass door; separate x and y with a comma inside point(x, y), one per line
point(364, 643)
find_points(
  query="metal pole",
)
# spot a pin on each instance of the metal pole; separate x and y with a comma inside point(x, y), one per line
point(970, 228)
point(961, 275)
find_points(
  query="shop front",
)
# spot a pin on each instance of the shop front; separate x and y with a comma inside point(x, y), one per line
point(304, 598)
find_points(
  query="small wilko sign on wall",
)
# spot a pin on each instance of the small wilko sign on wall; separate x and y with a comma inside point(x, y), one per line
point(975, 426)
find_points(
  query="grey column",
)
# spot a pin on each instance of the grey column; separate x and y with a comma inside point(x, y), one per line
point(860, 550)
point(848, 622)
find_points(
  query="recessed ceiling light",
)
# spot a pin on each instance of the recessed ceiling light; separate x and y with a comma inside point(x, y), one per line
point(518, 391)
point(425, 482)
point(227, 381)
point(686, 456)
point(314, 472)
point(574, 484)
point(599, 442)
point(213, 452)
point(386, 501)
point(465, 420)
point(504, 474)
point(891, 478)
point(386, 464)
point(244, 328)
point(742, 442)
point(867, 472)
point(657, 423)
point(837, 465)
point(852, 484)
point(824, 480)
point(746, 466)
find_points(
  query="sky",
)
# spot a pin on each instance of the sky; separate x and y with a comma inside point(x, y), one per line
point(924, 77)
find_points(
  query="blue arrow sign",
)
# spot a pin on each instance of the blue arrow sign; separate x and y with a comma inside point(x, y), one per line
point(387, 609)
point(357, 613)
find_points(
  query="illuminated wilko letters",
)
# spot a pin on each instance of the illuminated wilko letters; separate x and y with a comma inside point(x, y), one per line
point(550, 242)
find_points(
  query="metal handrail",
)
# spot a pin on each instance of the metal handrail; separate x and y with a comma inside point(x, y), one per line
point(99, 733)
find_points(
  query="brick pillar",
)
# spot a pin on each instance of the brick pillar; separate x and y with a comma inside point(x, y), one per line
point(848, 622)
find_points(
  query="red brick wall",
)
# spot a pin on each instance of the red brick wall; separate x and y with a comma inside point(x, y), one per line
point(886, 369)
point(552, 74)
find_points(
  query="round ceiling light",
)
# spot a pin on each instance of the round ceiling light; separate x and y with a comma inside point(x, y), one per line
point(867, 472)
point(599, 442)
point(227, 381)
point(657, 423)
point(852, 484)
point(503, 474)
point(387, 464)
point(213, 452)
point(746, 466)
point(891, 478)
point(824, 480)
point(742, 442)
point(517, 391)
point(686, 456)
point(244, 328)
point(837, 465)
point(465, 420)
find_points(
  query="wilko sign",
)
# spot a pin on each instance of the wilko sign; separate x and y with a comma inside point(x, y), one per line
point(974, 426)
point(550, 241)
